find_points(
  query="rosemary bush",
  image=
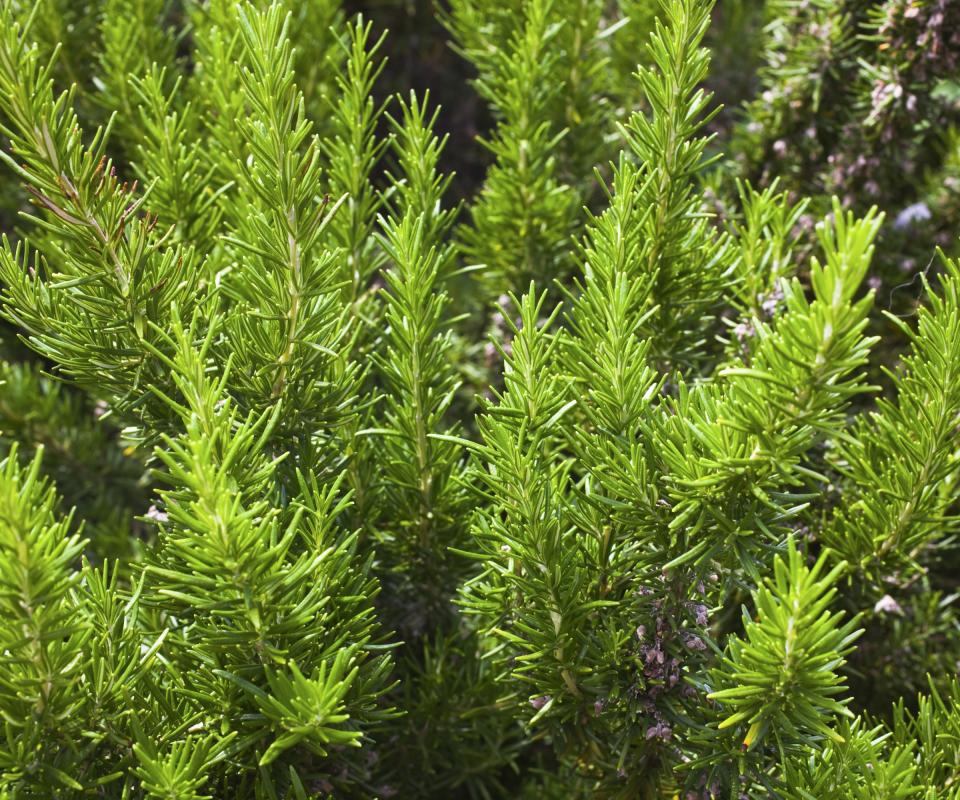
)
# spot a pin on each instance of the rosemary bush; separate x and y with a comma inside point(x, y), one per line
point(624, 464)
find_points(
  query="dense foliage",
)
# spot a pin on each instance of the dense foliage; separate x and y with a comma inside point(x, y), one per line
point(622, 464)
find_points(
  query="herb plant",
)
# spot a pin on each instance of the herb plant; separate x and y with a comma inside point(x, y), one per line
point(623, 465)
